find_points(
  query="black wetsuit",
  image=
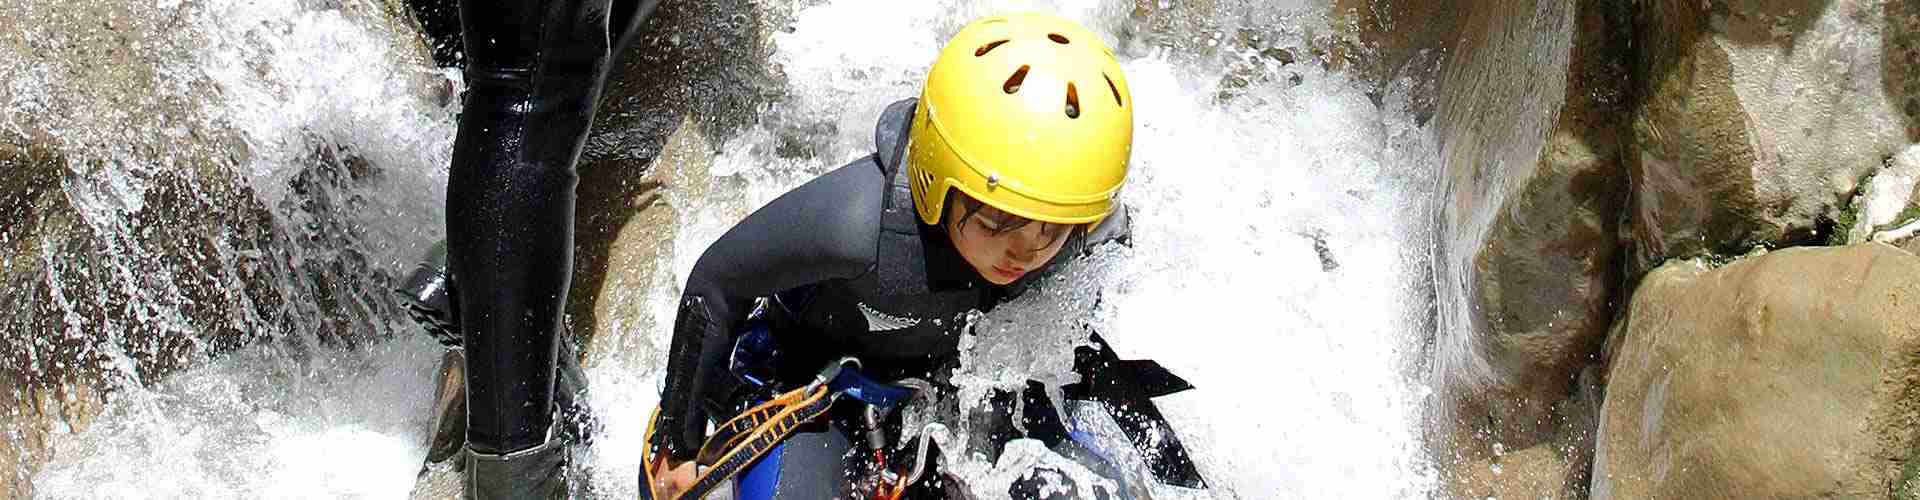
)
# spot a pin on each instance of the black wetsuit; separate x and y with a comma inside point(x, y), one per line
point(851, 271)
point(534, 71)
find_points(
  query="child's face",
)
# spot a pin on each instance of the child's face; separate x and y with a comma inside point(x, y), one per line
point(1002, 247)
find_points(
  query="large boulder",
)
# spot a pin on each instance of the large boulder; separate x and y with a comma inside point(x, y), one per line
point(1792, 374)
point(1756, 121)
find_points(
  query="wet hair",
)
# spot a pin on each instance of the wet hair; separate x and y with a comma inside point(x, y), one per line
point(1003, 223)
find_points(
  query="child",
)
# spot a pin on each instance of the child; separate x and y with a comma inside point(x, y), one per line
point(1007, 163)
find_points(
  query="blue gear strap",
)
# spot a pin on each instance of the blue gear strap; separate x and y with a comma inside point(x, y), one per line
point(753, 360)
point(853, 384)
point(753, 355)
point(762, 479)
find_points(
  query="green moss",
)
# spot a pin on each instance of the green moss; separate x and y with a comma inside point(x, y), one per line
point(1909, 486)
point(1849, 215)
point(1843, 223)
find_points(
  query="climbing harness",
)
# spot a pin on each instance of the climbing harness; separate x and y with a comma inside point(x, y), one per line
point(740, 441)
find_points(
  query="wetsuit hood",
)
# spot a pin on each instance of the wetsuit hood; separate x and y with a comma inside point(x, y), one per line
point(890, 134)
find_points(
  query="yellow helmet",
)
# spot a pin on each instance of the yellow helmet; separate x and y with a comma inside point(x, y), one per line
point(1028, 113)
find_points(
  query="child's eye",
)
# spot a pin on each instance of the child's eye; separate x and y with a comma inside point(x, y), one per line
point(988, 226)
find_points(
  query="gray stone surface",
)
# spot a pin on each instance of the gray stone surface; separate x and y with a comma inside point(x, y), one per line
point(1757, 121)
point(1792, 374)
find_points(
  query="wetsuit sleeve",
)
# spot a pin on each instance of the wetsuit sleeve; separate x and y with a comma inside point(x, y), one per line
point(826, 229)
point(1127, 388)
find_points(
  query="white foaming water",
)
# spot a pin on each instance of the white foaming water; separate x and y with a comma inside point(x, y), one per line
point(285, 417)
point(1277, 248)
point(1277, 266)
point(294, 80)
point(1278, 261)
point(254, 425)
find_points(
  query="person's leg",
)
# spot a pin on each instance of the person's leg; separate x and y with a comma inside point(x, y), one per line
point(510, 207)
point(534, 72)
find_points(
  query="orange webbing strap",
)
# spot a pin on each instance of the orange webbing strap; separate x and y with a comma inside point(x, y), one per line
point(729, 435)
point(646, 462)
point(894, 493)
point(742, 439)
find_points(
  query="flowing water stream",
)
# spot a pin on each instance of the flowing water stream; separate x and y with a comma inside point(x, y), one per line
point(1280, 258)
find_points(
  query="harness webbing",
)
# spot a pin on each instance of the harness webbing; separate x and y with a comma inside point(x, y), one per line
point(743, 439)
point(746, 437)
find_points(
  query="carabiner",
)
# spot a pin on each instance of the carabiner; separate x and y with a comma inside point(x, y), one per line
point(831, 371)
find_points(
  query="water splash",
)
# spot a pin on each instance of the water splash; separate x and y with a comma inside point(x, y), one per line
point(254, 425)
point(1276, 264)
point(1277, 257)
point(1280, 252)
point(297, 162)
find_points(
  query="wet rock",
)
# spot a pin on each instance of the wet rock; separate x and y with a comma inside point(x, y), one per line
point(131, 243)
point(135, 234)
point(621, 260)
point(1792, 374)
point(1900, 42)
point(1885, 209)
point(449, 427)
point(1388, 40)
point(697, 75)
point(21, 440)
point(1555, 469)
point(1755, 122)
point(439, 482)
point(1181, 27)
point(31, 417)
point(1532, 138)
point(1537, 472)
point(438, 21)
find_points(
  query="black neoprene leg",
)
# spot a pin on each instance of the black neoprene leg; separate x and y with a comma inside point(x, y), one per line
point(510, 205)
point(534, 72)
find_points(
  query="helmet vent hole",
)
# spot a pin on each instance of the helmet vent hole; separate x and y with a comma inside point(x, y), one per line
point(1073, 101)
point(1115, 89)
point(1057, 38)
point(984, 49)
point(1013, 82)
